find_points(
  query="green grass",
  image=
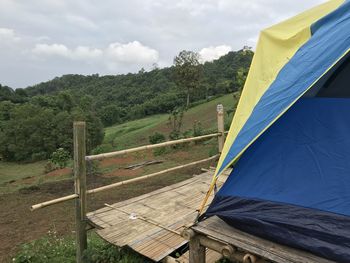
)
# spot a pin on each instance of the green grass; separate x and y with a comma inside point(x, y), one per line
point(136, 132)
point(126, 134)
point(14, 171)
point(54, 249)
point(14, 176)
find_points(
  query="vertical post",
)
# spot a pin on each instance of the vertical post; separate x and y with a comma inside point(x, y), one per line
point(197, 251)
point(221, 127)
point(80, 188)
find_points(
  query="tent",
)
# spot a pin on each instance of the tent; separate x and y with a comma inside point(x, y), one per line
point(289, 141)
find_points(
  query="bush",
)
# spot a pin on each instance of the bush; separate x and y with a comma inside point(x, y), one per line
point(156, 138)
point(60, 157)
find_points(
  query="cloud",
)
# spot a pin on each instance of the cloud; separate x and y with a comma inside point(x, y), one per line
point(85, 37)
point(8, 35)
point(211, 53)
point(133, 52)
point(51, 50)
point(82, 22)
point(86, 53)
point(114, 55)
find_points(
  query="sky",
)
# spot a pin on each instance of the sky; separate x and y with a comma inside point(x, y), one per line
point(42, 39)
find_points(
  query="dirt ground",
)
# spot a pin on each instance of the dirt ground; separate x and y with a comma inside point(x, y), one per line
point(19, 225)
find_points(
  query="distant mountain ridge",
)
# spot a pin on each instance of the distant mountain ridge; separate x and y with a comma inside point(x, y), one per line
point(118, 98)
point(36, 121)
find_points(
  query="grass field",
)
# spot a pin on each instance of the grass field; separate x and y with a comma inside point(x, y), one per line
point(136, 132)
point(15, 176)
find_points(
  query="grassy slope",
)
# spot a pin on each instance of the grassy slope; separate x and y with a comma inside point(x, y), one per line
point(136, 132)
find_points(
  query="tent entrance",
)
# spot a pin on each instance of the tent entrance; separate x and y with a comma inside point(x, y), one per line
point(335, 83)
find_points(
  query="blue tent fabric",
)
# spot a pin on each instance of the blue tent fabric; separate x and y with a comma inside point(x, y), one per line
point(292, 185)
point(330, 41)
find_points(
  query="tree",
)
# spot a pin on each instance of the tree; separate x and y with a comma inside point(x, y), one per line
point(188, 72)
point(240, 78)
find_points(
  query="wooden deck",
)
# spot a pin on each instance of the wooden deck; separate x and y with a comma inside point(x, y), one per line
point(151, 224)
point(216, 229)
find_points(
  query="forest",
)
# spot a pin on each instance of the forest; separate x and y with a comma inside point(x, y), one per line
point(37, 120)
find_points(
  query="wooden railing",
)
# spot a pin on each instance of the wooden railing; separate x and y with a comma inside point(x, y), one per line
point(80, 159)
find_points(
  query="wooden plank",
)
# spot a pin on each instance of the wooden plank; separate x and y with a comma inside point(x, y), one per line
point(216, 228)
point(188, 182)
point(172, 207)
point(102, 214)
point(210, 256)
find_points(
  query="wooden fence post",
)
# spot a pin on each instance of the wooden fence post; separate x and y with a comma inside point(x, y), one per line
point(197, 251)
point(221, 126)
point(80, 188)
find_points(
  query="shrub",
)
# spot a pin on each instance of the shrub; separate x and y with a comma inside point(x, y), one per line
point(156, 138)
point(60, 157)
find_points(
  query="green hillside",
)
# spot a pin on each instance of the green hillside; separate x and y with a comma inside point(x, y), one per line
point(36, 121)
point(14, 176)
point(136, 132)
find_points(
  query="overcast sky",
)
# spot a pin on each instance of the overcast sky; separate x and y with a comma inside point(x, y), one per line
point(41, 39)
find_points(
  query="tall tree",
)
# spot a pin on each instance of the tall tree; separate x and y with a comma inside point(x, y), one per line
point(188, 71)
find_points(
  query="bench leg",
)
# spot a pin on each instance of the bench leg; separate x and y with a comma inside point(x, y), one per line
point(197, 251)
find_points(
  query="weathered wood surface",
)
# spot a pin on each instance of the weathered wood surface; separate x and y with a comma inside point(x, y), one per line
point(80, 187)
point(211, 256)
point(197, 251)
point(216, 228)
point(173, 207)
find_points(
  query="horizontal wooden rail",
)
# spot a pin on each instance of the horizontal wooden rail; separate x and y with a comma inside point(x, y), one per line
point(150, 146)
point(54, 201)
point(103, 188)
point(107, 187)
